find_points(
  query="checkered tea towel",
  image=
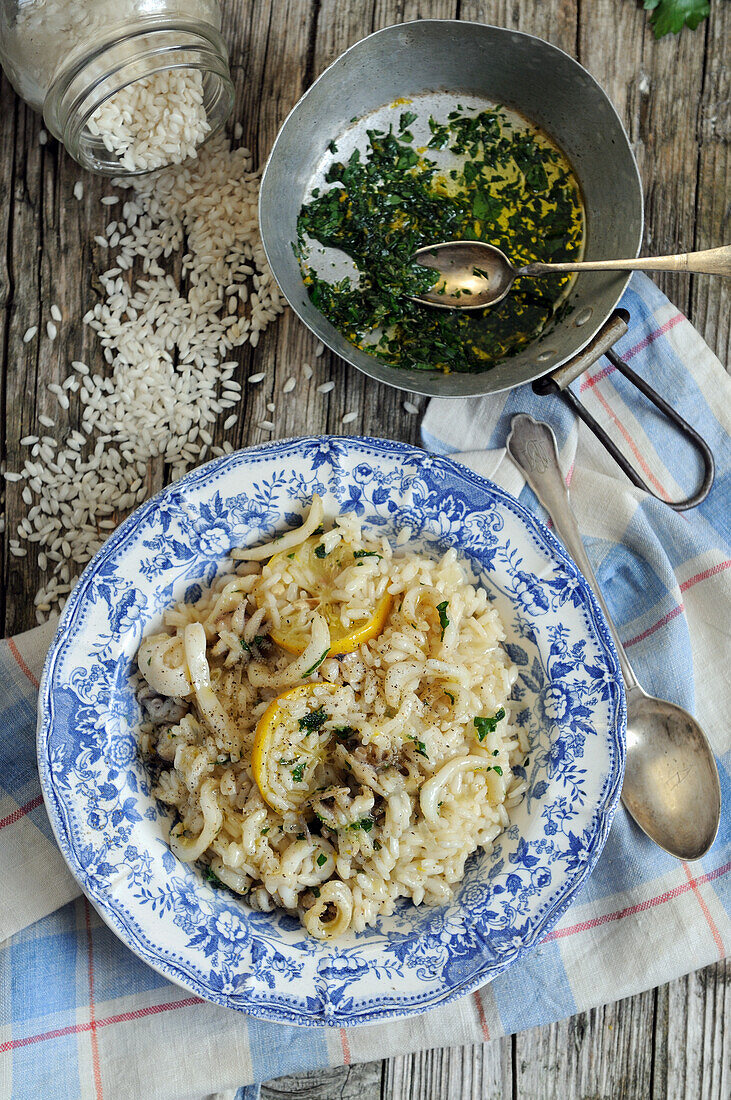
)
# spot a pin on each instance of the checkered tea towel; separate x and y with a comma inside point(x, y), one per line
point(80, 1016)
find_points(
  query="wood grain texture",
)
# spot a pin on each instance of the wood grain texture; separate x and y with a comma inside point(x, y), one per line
point(672, 96)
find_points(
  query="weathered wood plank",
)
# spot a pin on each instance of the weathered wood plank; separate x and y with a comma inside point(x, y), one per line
point(558, 23)
point(468, 1073)
point(693, 1038)
point(603, 1053)
point(361, 1082)
point(654, 85)
point(711, 297)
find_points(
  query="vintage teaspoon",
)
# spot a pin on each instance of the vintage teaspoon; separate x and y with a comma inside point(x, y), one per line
point(475, 274)
point(671, 786)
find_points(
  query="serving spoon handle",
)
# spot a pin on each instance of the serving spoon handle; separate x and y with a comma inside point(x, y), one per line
point(532, 446)
point(711, 261)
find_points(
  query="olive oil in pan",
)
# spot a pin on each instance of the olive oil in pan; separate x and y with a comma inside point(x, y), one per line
point(418, 172)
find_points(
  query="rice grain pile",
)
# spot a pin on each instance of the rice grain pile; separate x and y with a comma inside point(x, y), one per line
point(167, 343)
point(155, 121)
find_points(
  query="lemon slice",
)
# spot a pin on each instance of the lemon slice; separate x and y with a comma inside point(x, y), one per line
point(290, 743)
point(319, 579)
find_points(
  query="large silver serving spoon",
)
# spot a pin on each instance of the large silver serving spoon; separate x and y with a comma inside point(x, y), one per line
point(671, 786)
point(475, 274)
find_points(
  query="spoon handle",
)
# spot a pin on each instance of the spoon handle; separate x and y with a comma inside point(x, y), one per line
point(532, 447)
point(711, 261)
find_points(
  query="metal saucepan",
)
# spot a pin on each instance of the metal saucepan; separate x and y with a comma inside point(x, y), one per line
point(487, 63)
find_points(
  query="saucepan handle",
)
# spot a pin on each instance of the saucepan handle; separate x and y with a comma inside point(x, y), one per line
point(559, 383)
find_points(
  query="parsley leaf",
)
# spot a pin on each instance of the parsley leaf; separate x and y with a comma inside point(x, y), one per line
point(443, 620)
point(212, 877)
point(365, 823)
point(344, 732)
point(488, 725)
point(321, 859)
point(449, 696)
point(298, 773)
point(320, 551)
point(313, 720)
point(670, 16)
point(420, 746)
point(366, 554)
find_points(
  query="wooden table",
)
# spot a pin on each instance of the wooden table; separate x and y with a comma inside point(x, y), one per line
point(673, 97)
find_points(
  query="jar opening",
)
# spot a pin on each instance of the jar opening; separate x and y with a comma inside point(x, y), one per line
point(147, 101)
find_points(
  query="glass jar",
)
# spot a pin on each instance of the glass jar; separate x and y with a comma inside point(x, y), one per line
point(77, 62)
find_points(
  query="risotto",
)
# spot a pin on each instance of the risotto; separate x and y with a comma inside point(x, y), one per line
point(330, 723)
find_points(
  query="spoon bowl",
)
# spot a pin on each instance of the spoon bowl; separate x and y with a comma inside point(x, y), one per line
point(475, 274)
point(671, 785)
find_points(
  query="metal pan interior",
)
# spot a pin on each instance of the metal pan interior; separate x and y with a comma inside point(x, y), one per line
point(487, 64)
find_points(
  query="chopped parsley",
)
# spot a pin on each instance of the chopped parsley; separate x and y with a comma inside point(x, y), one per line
point(298, 773)
point(376, 846)
point(316, 665)
point(443, 619)
point(212, 877)
point(321, 859)
point(366, 554)
point(320, 551)
point(365, 823)
point(314, 720)
point(258, 641)
point(497, 768)
point(316, 891)
point(344, 732)
point(265, 831)
point(449, 696)
point(419, 745)
point(511, 186)
point(488, 725)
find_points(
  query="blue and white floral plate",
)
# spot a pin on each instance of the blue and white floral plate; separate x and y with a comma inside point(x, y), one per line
point(113, 835)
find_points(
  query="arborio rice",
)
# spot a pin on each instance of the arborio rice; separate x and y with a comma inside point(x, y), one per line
point(330, 726)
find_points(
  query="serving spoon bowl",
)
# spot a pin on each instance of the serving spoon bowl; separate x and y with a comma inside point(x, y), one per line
point(475, 274)
point(671, 785)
